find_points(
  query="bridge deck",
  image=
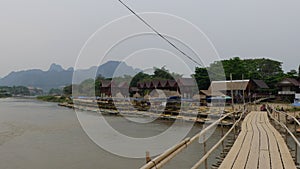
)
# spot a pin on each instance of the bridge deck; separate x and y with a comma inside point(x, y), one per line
point(259, 145)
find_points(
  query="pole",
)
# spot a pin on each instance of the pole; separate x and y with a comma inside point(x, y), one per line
point(243, 93)
point(222, 134)
point(204, 151)
point(231, 91)
point(296, 146)
point(148, 158)
point(286, 132)
point(232, 104)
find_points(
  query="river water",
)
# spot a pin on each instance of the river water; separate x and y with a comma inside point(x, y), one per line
point(40, 135)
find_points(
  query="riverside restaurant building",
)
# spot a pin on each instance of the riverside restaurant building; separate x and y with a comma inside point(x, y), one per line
point(248, 89)
point(187, 87)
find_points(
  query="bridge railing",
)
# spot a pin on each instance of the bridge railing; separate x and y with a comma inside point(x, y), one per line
point(219, 142)
point(272, 111)
point(165, 157)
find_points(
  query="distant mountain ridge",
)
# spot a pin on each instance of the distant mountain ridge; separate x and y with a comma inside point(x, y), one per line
point(56, 76)
point(55, 68)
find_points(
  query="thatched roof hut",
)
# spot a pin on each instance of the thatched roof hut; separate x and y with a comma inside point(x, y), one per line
point(136, 95)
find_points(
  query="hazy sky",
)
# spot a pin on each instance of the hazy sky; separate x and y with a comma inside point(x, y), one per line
point(36, 33)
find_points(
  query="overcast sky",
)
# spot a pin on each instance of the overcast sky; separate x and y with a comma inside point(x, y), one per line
point(36, 33)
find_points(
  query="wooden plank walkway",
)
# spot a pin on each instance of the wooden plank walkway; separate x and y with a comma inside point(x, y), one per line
point(259, 145)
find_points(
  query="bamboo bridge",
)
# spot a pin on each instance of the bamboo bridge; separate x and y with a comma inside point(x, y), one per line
point(258, 145)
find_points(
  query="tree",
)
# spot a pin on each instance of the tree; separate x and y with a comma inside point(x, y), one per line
point(67, 90)
point(264, 69)
point(202, 78)
point(87, 87)
point(162, 73)
point(139, 77)
point(55, 91)
point(299, 72)
point(20, 90)
point(234, 66)
point(292, 73)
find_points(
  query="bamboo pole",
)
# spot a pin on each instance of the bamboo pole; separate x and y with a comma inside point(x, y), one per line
point(156, 160)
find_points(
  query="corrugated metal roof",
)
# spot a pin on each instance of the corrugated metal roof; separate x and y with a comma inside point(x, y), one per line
point(148, 84)
point(140, 84)
point(292, 81)
point(188, 82)
point(162, 83)
point(171, 83)
point(261, 84)
point(229, 85)
point(155, 83)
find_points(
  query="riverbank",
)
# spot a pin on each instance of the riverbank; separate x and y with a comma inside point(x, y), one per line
point(189, 113)
point(56, 99)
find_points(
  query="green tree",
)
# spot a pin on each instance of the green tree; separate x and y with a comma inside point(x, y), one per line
point(265, 69)
point(139, 77)
point(55, 91)
point(234, 66)
point(292, 73)
point(20, 90)
point(87, 87)
point(67, 90)
point(299, 72)
point(162, 73)
point(202, 78)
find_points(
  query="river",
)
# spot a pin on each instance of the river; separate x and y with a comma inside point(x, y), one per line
point(40, 135)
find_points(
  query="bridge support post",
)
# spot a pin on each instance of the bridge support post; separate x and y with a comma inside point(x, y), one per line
point(286, 132)
point(204, 151)
point(296, 146)
point(222, 134)
point(148, 158)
